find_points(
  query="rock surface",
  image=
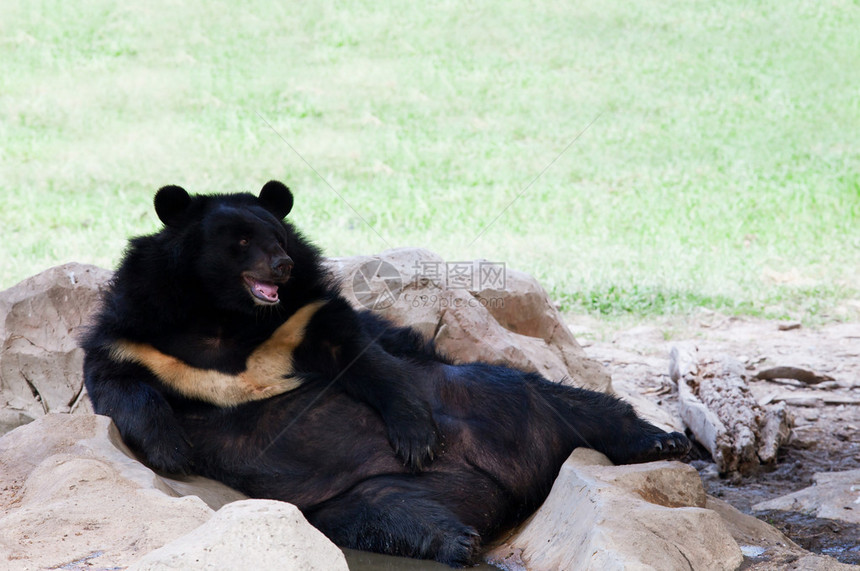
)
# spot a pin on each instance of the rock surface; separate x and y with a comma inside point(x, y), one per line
point(40, 361)
point(834, 495)
point(474, 310)
point(72, 496)
point(71, 492)
point(249, 534)
point(604, 517)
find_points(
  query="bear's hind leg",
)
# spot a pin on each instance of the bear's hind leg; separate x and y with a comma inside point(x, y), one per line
point(609, 425)
point(392, 516)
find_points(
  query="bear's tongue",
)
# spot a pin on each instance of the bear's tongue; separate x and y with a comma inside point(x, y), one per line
point(263, 290)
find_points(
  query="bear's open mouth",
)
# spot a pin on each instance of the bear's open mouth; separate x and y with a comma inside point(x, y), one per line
point(264, 292)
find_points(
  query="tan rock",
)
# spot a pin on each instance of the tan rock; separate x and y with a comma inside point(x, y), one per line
point(249, 534)
point(72, 493)
point(467, 332)
point(414, 300)
point(40, 361)
point(474, 310)
point(833, 495)
point(748, 530)
point(765, 548)
point(214, 494)
point(647, 516)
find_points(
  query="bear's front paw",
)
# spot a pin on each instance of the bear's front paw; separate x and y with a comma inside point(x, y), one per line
point(665, 446)
point(415, 437)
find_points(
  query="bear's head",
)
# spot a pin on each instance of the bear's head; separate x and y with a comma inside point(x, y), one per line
point(235, 245)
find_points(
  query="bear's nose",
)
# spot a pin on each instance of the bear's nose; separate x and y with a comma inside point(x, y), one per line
point(281, 267)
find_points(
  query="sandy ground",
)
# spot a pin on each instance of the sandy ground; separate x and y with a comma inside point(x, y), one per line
point(826, 437)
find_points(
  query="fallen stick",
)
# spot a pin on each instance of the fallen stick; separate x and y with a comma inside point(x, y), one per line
point(796, 373)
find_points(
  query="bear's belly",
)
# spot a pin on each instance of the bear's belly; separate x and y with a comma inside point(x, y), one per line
point(303, 447)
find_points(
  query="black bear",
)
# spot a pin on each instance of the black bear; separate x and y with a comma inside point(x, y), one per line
point(223, 348)
point(225, 272)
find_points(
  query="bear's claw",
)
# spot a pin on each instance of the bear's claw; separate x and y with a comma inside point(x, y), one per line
point(416, 450)
point(461, 549)
point(662, 446)
point(671, 445)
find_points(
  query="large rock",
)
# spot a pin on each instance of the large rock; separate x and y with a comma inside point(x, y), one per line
point(73, 496)
point(474, 310)
point(40, 361)
point(603, 517)
point(249, 534)
point(833, 495)
point(72, 493)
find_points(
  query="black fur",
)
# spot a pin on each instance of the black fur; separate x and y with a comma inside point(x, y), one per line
point(327, 446)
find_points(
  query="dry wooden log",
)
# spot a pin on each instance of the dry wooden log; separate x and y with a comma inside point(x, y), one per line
point(716, 405)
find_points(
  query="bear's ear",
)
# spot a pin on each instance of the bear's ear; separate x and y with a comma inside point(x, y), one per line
point(171, 202)
point(276, 198)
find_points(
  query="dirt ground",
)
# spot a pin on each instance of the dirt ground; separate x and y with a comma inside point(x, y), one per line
point(826, 436)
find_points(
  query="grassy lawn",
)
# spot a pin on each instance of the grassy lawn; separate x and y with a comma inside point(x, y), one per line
point(721, 170)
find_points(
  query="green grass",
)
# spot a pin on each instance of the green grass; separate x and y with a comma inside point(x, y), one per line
point(723, 170)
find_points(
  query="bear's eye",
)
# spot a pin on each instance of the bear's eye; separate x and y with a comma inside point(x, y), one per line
point(244, 242)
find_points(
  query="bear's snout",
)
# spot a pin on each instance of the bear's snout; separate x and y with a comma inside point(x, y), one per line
point(281, 267)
